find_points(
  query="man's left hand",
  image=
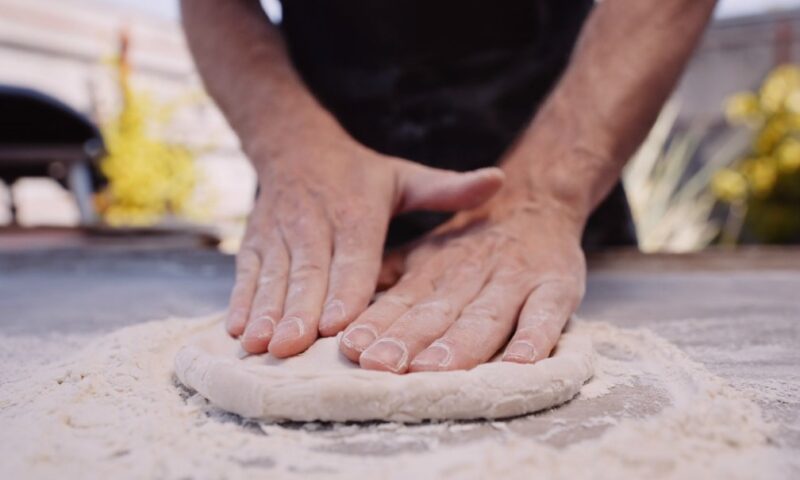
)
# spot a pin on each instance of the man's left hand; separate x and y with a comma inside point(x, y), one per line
point(511, 266)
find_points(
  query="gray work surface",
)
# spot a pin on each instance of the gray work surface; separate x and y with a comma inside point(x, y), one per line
point(716, 306)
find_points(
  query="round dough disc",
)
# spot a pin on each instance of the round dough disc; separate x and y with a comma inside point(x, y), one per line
point(321, 384)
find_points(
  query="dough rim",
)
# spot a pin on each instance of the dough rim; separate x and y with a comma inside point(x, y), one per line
point(489, 391)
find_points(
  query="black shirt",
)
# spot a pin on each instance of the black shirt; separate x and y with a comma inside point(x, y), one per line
point(447, 83)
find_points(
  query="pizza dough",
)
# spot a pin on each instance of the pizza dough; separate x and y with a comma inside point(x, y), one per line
point(321, 384)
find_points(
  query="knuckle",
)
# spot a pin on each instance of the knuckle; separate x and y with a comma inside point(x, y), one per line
point(243, 286)
point(304, 316)
point(531, 333)
point(248, 260)
point(482, 311)
point(356, 261)
point(351, 213)
point(252, 239)
point(270, 277)
point(265, 286)
point(417, 280)
point(434, 307)
point(306, 270)
point(240, 301)
point(459, 272)
point(305, 229)
point(539, 315)
point(446, 342)
point(290, 220)
point(273, 270)
point(398, 299)
point(348, 294)
point(303, 242)
point(513, 273)
point(349, 240)
point(569, 288)
point(264, 312)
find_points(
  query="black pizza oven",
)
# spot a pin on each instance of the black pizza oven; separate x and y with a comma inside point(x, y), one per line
point(40, 136)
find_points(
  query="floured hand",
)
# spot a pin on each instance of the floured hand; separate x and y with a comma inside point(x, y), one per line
point(511, 267)
point(312, 251)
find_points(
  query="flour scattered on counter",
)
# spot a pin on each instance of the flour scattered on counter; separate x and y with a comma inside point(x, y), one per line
point(22, 355)
point(113, 408)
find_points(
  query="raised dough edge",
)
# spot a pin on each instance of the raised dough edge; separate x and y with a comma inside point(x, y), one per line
point(491, 390)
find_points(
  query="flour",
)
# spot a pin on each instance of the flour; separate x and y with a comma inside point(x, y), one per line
point(113, 408)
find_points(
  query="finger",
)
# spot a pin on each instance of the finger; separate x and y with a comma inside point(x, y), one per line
point(248, 264)
point(310, 254)
point(544, 315)
point(427, 188)
point(353, 275)
point(267, 305)
point(360, 334)
point(480, 331)
point(426, 321)
point(392, 268)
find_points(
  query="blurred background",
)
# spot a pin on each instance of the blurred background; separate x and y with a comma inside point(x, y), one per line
point(106, 136)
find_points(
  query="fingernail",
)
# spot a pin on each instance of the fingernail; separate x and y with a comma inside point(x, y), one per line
point(387, 352)
point(332, 315)
point(259, 329)
point(359, 338)
point(520, 351)
point(437, 355)
point(235, 320)
point(289, 328)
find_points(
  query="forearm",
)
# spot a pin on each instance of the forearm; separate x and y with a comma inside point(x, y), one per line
point(628, 60)
point(244, 64)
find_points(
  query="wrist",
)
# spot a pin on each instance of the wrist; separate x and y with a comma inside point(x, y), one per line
point(563, 163)
point(268, 132)
point(539, 205)
point(304, 136)
point(562, 187)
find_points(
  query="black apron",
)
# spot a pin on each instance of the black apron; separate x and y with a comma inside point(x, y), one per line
point(446, 83)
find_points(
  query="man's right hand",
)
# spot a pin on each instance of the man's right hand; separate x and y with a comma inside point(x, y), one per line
point(312, 250)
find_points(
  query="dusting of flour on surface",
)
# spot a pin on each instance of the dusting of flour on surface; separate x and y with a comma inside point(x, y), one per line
point(110, 406)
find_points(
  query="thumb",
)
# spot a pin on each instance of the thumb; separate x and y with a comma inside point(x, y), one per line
point(426, 188)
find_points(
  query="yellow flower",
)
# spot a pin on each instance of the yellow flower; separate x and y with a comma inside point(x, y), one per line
point(729, 185)
point(742, 107)
point(793, 119)
point(793, 101)
point(761, 175)
point(777, 88)
point(776, 128)
point(148, 177)
point(788, 155)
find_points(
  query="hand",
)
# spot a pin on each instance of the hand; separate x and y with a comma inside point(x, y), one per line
point(312, 250)
point(513, 265)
